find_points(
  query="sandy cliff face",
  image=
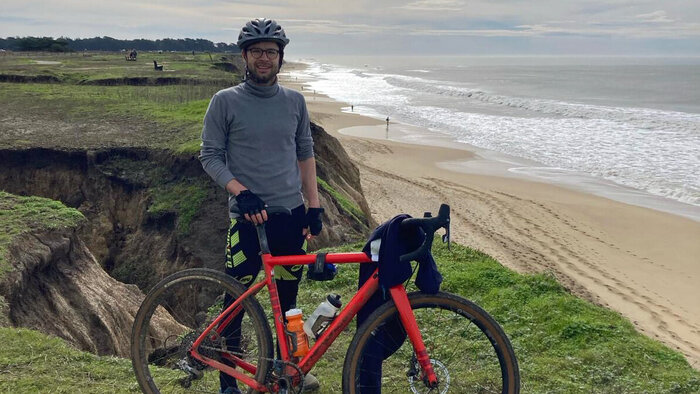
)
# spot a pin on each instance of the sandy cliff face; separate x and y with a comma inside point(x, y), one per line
point(71, 284)
point(114, 189)
point(337, 170)
point(57, 287)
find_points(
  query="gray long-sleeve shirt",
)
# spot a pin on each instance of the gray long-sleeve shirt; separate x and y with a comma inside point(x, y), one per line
point(256, 134)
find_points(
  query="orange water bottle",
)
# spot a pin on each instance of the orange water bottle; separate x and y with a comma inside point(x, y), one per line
point(295, 332)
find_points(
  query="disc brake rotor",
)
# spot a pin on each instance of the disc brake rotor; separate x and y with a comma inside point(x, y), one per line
point(416, 384)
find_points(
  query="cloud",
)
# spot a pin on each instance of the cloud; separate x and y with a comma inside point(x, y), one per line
point(474, 32)
point(623, 30)
point(655, 17)
point(361, 23)
point(330, 26)
point(435, 5)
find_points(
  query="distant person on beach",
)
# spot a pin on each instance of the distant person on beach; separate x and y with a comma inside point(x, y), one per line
point(352, 108)
point(262, 161)
point(387, 121)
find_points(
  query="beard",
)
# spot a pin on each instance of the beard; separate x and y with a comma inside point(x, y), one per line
point(254, 76)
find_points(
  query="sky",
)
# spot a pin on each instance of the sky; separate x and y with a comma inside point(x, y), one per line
point(374, 27)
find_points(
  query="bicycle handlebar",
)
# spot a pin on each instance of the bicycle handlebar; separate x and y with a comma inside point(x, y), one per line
point(429, 225)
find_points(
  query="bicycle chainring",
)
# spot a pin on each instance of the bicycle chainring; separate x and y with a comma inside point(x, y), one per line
point(277, 375)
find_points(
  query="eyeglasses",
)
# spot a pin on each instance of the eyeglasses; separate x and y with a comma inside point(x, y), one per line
point(258, 52)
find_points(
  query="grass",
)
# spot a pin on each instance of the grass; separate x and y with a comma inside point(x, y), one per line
point(32, 362)
point(346, 204)
point(91, 67)
point(21, 215)
point(165, 116)
point(184, 197)
point(4, 312)
point(160, 117)
point(169, 192)
point(563, 344)
point(168, 117)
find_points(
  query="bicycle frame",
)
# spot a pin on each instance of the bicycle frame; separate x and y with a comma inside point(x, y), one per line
point(398, 294)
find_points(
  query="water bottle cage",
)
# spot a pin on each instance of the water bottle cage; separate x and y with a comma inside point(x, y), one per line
point(293, 341)
point(320, 270)
point(320, 325)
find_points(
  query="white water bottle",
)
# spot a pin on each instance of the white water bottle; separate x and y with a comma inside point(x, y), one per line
point(322, 316)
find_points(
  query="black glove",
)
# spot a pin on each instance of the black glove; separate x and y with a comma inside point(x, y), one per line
point(313, 220)
point(249, 203)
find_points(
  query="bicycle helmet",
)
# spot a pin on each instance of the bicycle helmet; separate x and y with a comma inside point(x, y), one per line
point(262, 29)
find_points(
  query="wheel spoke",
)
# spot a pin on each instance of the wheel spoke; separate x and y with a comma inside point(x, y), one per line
point(175, 314)
point(465, 346)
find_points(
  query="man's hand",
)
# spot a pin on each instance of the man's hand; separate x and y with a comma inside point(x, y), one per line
point(314, 225)
point(252, 207)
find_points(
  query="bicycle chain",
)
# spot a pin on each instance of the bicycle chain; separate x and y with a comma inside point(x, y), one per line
point(189, 340)
point(270, 379)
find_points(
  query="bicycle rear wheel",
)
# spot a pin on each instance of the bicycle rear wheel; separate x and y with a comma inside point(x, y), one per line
point(468, 350)
point(174, 313)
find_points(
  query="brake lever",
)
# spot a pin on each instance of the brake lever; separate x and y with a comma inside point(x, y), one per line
point(446, 236)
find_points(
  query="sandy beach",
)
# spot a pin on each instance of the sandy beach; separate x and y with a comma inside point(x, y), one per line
point(640, 262)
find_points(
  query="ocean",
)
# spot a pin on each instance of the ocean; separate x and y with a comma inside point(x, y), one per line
point(625, 128)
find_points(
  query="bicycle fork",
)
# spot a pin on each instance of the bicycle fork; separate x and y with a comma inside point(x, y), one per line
point(408, 319)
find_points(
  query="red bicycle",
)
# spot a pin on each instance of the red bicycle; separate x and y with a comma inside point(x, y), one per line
point(417, 342)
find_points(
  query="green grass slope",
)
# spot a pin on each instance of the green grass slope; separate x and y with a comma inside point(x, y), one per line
point(20, 215)
point(31, 362)
point(563, 344)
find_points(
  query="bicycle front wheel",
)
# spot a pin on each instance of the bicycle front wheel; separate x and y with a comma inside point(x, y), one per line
point(173, 315)
point(468, 350)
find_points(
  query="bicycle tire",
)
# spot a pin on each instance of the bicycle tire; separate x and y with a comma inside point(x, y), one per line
point(179, 328)
point(466, 347)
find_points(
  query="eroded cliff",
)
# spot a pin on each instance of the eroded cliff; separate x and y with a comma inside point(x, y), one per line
point(148, 213)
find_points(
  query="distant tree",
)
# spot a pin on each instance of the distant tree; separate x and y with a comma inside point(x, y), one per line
point(107, 43)
point(36, 44)
point(224, 47)
point(9, 43)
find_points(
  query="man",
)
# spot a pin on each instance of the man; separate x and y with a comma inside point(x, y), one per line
point(256, 143)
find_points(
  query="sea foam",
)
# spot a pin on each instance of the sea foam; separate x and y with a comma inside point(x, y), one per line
point(652, 150)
